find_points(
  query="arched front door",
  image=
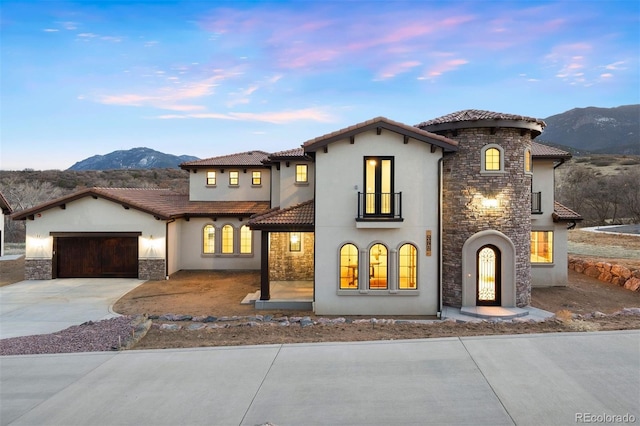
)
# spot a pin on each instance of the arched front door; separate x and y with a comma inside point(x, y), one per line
point(488, 276)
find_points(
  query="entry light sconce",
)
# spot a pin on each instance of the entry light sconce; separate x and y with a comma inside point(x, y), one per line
point(489, 203)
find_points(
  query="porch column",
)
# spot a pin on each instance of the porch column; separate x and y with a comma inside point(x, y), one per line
point(264, 266)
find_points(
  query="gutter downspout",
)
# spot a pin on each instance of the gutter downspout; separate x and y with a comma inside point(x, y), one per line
point(440, 161)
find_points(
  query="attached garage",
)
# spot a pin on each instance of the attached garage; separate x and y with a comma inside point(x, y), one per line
point(95, 255)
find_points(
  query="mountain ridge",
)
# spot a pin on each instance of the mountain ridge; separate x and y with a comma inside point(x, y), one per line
point(134, 158)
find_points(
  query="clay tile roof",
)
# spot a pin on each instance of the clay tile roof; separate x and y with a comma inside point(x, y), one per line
point(477, 115)
point(4, 205)
point(289, 153)
point(299, 216)
point(161, 203)
point(539, 150)
point(384, 123)
point(249, 158)
point(562, 213)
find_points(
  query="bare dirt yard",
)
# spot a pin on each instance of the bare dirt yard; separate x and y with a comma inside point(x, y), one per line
point(199, 293)
point(216, 294)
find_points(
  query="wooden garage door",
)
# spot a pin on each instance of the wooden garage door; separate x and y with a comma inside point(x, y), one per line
point(96, 257)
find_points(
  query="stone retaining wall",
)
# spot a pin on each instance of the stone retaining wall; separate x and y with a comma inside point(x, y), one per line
point(607, 272)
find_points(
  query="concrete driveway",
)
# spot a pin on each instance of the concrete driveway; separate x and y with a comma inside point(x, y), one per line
point(42, 307)
point(529, 379)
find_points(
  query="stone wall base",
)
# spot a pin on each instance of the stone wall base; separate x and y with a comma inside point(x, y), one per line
point(607, 272)
point(38, 269)
point(151, 269)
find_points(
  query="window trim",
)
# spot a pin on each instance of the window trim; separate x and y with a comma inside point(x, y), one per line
point(223, 240)
point(243, 228)
point(213, 251)
point(416, 257)
point(306, 174)
point(259, 178)
point(211, 181)
point(528, 161)
point(483, 160)
point(531, 251)
point(298, 247)
point(233, 173)
point(352, 272)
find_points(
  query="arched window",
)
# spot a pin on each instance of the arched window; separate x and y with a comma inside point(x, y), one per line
point(348, 267)
point(209, 239)
point(246, 246)
point(227, 239)
point(492, 158)
point(407, 267)
point(528, 164)
point(378, 266)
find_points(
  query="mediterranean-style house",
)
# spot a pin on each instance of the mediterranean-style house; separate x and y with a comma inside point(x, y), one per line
point(5, 209)
point(379, 218)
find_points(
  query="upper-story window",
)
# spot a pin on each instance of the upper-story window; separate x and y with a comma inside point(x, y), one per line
point(234, 178)
point(378, 183)
point(211, 178)
point(256, 178)
point(492, 159)
point(302, 173)
point(528, 163)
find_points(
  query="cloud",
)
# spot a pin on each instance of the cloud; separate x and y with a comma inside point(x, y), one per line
point(606, 75)
point(443, 67)
point(394, 69)
point(616, 66)
point(50, 30)
point(277, 117)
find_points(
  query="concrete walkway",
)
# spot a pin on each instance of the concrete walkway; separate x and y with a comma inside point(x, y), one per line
point(544, 379)
point(41, 307)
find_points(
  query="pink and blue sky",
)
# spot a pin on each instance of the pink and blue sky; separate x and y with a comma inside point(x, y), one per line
point(209, 78)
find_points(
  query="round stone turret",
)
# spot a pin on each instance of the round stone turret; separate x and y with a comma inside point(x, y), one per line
point(486, 203)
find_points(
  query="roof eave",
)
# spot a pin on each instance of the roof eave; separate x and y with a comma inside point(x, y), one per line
point(434, 140)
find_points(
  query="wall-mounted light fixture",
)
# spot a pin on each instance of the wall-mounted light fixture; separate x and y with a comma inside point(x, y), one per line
point(489, 203)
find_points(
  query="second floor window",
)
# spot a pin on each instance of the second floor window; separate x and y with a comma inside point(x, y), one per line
point(234, 178)
point(211, 178)
point(492, 159)
point(256, 178)
point(378, 183)
point(301, 173)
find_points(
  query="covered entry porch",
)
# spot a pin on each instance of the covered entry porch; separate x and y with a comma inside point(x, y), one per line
point(287, 257)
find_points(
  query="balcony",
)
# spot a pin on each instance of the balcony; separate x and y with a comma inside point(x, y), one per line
point(536, 203)
point(379, 207)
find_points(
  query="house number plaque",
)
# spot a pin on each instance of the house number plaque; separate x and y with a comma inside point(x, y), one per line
point(428, 243)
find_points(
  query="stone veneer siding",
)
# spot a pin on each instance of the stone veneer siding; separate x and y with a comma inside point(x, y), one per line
point(463, 214)
point(290, 266)
point(151, 269)
point(38, 269)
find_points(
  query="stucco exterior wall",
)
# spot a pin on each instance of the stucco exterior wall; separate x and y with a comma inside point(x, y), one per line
point(94, 215)
point(222, 191)
point(292, 193)
point(341, 171)
point(464, 213)
point(556, 273)
point(174, 229)
point(191, 254)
